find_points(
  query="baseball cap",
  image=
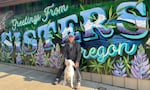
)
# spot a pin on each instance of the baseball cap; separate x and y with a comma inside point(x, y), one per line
point(71, 34)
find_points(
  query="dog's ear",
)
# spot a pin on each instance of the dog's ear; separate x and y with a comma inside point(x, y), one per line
point(66, 61)
point(72, 63)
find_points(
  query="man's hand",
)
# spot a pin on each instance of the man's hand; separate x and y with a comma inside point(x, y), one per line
point(76, 64)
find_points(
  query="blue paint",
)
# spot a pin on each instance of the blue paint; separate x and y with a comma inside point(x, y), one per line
point(102, 53)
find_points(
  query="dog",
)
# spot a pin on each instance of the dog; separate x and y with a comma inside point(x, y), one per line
point(69, 72)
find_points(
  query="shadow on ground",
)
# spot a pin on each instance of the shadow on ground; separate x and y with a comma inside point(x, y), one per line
point(44, 77)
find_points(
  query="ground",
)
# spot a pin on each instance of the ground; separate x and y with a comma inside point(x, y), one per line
point(17, 78)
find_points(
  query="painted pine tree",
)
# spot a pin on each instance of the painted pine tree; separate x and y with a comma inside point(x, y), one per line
point(18, 59)
point(40, 60)
point(140, 68)
point(119, 68)
point(56, 58)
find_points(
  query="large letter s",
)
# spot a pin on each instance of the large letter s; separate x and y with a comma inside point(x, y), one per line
point(139, 21)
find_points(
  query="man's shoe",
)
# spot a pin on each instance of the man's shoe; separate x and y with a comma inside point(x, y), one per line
point(77, 85)
point(56, 82)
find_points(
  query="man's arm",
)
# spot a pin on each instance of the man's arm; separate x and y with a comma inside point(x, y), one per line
point(78, 52)
point(65, 50)
point(78, 55)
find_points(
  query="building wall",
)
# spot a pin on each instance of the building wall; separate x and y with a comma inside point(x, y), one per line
point(108, 33)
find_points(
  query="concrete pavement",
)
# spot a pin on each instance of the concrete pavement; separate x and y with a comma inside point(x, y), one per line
point(17, 78)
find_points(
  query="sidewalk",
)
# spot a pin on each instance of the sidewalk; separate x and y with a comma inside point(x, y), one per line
point(16, 78)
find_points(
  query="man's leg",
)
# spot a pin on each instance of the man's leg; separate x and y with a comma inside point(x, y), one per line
point(78, 78)
point(59, 75)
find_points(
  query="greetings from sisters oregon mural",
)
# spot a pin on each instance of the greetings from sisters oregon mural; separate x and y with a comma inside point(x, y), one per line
point(115, 35)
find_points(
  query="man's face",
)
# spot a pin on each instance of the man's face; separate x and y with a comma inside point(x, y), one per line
point(71, 39)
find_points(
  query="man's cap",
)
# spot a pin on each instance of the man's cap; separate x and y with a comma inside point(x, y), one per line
point(71, 34)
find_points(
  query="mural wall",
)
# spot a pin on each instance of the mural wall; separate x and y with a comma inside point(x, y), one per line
point(115, 38)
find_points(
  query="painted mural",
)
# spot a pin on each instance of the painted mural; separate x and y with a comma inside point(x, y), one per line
point(115, 38)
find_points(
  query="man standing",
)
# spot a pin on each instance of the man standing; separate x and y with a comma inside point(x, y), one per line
point(72, 51)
